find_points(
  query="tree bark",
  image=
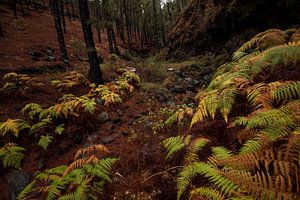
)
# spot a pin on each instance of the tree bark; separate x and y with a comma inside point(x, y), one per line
point(110, 41)
point(162, 24)
point(155, 24)
point(1, 30)
point(68, 10)
point(14, 7)
point(116, 48)
point(62, 12)
point(60, 34)
point(127, 25)
point(95, 74)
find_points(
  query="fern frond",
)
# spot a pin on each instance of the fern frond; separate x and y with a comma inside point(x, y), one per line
point(287, 91)
point(211, 193)
point(11, 155)
point(91, 150)
point(45, 141)
point(26, 191)
point(174, 144)
point(13, 126)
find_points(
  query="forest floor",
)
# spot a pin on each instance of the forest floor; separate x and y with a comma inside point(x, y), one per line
point(128, 131)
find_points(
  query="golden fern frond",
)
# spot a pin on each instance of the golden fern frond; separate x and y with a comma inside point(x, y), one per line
point(13, 126)
point(79, 163)
point(91, 150)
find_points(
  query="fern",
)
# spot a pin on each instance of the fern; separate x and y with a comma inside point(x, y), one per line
point(32, 109)
point(174, 144)
point(11, 155)
point(45, 141)
point(13, 126)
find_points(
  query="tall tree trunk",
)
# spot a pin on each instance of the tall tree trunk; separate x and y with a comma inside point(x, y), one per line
point(110, 41)
point(68, 10)
point(73, 10)
point(22, 8)
point(127, 25)
point(27, 7)
point(162, 24)
point(62, 12)
point(1, 30)
point(60, 34)
point(116, 48)
point(155, 24)
point(169, 12)
point(14, 7)
point(95, 74)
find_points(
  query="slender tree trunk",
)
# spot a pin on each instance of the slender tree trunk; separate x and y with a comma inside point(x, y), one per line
point(127, 25)
point(95, 74)
point(14, 7)
point(1, 30)
point(22, 8)
point(162, 24)
point(110, 41)
point(60, 34)
point(62, 12)
point(155, 24)
point(68, 10)
point(116, 48)
point(73, 10)
point(27, 7)
point(169, 12)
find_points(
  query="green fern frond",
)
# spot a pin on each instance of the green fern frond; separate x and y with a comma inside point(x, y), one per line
point(287, 91)
point(174, 144)
point(45, 141)
point(32, 109)
point(27, 190)
point(11, 155)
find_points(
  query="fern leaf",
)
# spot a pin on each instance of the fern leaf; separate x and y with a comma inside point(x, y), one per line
point(45, 141)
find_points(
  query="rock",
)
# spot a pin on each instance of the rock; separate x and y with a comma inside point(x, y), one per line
point(16, 181)
point(194, 66)
point(161, 98)
point(50, 51)
point(107, 140)
point(120, 112)
point(125, 133)
point(103, 117)
point(188, 80)
point(35, 54)
point(50, 59)
point(99, 101)
point(206, 77)
point(178, 72)
point(178, 89)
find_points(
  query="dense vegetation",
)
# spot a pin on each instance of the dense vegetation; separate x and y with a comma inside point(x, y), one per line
point(220, 125)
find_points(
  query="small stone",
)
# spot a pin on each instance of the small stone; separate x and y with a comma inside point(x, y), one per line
point(107, 140)
point(103, 117)
point(194, 66)
point(120, 112)
point(50, 59)
point(49, 52)
point(35, 54)
point(125, 133)
point(206, 77)
point(178, 89)
point(99, 101)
